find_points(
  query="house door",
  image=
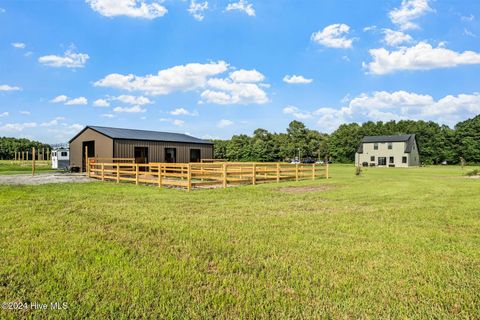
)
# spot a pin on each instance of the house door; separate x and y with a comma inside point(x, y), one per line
point(382, 161)
point(90, 145)
point(170, 155)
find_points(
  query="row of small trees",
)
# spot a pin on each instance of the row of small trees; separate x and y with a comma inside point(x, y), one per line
point(8, 147)
point(437, 143)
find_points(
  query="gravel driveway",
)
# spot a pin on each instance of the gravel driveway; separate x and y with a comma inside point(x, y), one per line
point(43, 178)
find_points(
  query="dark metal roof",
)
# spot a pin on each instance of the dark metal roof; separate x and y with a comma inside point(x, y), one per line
point(133, 134)
point(408, 138)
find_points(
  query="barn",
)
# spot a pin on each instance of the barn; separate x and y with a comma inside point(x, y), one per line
point(145, 146)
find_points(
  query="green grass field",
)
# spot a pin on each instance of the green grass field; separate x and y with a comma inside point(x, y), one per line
point(14, 167)
point(392, 243)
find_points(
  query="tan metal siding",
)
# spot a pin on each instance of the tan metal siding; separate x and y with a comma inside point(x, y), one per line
point(156, 150)
point(103, 146)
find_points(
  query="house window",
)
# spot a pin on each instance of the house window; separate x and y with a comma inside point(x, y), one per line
point(404, 159)
point(382, 161)
point(194, 155)
point(392, 160)
point(375, 146)
point(64, 153)
point(372, 158)
point(390, 146)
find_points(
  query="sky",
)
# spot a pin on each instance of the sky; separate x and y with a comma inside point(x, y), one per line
point(216, 68)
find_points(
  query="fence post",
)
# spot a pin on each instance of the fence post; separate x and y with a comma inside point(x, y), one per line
point(224, 175)
point(296, 171)
point(254, 176)
point(326, 171)
point(189, 177)
point(86, 159)
point(313, 171)
point(278, 172)
point(118, 173)
point(48, 154)
point(136, 173)
point(103, 172)
point(33, 161)
point(159, 175)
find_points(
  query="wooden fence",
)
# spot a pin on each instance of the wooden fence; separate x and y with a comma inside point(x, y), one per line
point(198, 175)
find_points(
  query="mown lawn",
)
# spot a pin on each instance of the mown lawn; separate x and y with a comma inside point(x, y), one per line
point(14, 167)
point(393, 243)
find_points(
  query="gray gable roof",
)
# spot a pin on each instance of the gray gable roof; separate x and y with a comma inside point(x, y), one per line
point(133, 134)
point(408, 138)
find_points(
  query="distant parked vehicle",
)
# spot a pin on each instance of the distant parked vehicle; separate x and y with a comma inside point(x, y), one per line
point(295, 162)
point(308, 161)
point(320, 162)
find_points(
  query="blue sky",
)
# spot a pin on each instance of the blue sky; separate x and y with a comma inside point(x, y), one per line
point(216, 68)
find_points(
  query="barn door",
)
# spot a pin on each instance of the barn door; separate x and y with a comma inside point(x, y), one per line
point(91, 152)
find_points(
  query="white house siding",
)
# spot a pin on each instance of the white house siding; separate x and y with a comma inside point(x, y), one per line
point(397, 152)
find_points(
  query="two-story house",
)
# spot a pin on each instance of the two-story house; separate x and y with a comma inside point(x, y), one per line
point(388, 151)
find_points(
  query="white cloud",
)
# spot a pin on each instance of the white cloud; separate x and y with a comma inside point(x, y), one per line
point(6, 87)
point(4, 114)
point(175, 122)
point(409, 11)
point(224, 123)
point(130, 8)
point(25, 113)
point(179, 78)
point(241, 87)
point(182, 112)
point(18, 45)
point(294, 79)
point(108, 115)
point(370, 28)
point(134, 109)
point(226, 91)
point(469, 18)
point(247, 76)
point(419, 57)
point(75, 127)
point(69, 102)
point(242, 5)
point(297, 113)
point(196, 9)
point(18, 126)
point(101, 103)
point(59, 99)
point(132, 100)
point(68, 60)
point(77, 101)
point(383, 105)
point(333, 36)
point(329, 118)
point(395, 38)
point(53, 122)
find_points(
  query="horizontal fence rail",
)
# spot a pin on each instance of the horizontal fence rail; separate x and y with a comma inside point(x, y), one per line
point(203, 175)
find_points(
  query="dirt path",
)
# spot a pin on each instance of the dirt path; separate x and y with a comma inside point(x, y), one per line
point(43, 178)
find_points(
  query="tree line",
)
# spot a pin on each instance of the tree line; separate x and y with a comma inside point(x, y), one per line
point(437, 143)
point(8, 146)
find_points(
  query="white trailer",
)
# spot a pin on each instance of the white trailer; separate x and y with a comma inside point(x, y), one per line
point(60, 158)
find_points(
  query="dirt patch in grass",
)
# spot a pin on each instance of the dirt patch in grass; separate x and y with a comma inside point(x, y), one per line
point(305, 189)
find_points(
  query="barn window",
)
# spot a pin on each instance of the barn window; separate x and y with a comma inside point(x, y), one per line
point(170, 155)
point(194, 155)
point(375, 146)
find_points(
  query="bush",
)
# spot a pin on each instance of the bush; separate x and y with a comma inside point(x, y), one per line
point(475, 172)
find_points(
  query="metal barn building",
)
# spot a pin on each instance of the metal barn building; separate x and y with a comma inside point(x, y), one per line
point(144, 146)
